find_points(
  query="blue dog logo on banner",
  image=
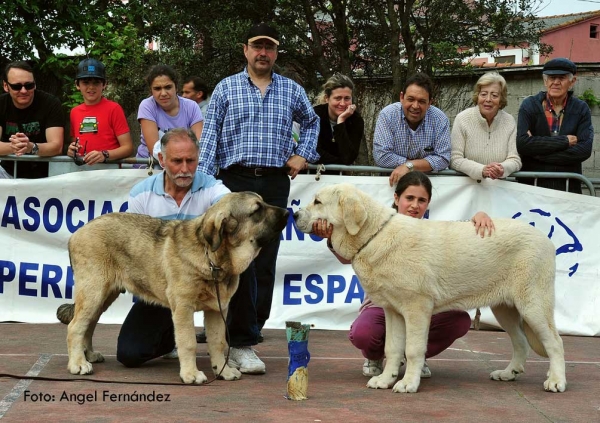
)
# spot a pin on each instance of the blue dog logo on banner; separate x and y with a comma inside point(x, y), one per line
point(557, 231)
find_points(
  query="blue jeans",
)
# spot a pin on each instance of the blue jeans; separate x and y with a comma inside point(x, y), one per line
point(250, 306)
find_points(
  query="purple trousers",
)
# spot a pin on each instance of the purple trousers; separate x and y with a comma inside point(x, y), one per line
point(367, 333)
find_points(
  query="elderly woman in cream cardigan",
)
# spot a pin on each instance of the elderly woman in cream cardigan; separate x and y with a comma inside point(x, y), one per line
point(484, 136)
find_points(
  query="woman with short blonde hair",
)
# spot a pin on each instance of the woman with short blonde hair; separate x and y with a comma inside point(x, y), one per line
point(341, 126)
point(484, 137)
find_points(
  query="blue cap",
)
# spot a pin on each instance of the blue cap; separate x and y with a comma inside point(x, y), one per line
point(560, 66)
point(90, 68)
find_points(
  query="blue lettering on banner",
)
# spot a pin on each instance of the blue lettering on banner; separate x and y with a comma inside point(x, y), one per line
point(53, 214)
point(573, 247)
point(317, 289)
point(51, 278)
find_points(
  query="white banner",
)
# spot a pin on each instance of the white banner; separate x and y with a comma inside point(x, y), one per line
point(38, 216)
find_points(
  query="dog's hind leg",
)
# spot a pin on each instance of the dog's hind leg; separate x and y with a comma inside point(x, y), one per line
point(185, 339)
point(88, 308)
point(541, 321)
point(215, 338)
point(91, 355)
point(510, 320)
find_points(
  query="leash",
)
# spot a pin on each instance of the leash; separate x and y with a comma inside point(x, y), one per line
point(214, 272)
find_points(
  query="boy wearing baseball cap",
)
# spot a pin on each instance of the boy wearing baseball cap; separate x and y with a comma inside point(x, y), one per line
point(99, 129)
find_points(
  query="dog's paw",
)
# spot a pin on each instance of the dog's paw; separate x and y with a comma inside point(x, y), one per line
point(405, 386)
point(197, 377)
point(94, 357)
point(555, 385)
point(380, 382)
point(229, 373)
point(505, 375)
point(84, 368)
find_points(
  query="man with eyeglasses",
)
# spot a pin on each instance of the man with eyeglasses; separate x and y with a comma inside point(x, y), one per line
point(247, 138)
point(554, 129)
point(31, 122)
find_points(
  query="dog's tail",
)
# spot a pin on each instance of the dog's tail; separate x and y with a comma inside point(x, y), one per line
point(65, 313)
point(534, 341)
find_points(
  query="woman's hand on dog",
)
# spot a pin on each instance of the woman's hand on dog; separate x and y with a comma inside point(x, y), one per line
point(483, 222)
point(322, 228)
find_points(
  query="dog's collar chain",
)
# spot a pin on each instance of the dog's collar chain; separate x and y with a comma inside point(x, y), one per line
point(374, 235)
point(214, 269)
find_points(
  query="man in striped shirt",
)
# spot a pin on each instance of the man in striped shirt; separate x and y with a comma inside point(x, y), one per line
point(247, 140)
point(412, 134)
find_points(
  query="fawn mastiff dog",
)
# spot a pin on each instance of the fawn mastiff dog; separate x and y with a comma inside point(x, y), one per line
point(177, 264)
point(414, 268)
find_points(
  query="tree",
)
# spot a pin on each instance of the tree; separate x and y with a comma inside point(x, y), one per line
point(405, 36)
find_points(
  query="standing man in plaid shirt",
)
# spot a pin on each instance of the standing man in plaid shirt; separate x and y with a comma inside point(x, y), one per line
point(412, 134)
point(554, 129)
point(247, 141)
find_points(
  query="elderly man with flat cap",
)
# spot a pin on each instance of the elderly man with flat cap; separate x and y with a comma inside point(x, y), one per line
point(554, 130)
point(247, 139)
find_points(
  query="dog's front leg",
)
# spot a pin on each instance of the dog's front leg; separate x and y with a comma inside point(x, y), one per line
point(215, 338)
point(417, 321)
point(394, 351)
point(185, 339)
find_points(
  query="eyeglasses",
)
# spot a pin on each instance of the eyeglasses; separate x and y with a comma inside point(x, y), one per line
point(77, 158)
point(484, 95)
point(268, 47)
point(18, 87)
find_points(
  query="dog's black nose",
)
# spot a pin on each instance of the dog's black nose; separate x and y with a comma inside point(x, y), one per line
point(295, 215)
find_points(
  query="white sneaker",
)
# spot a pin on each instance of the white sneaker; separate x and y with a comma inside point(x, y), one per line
point(245, 360)
point(173, 354)
point(425, 372)
point(372, 367)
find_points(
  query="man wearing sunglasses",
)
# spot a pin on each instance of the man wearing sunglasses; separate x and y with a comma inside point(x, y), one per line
point(31, 122)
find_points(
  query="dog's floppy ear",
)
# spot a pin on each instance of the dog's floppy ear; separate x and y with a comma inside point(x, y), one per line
point(214, 227)
point(354, 213)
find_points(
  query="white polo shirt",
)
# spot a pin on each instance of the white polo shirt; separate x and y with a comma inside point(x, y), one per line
point(149, 197)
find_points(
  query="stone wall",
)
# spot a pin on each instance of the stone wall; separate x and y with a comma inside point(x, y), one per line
point(455, 96)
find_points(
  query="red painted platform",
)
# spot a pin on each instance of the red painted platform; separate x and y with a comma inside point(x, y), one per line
point(459, 391)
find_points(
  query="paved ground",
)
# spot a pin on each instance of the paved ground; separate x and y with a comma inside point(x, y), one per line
point(459, 391)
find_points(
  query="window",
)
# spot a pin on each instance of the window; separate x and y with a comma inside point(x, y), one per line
point(593, 31)
point(505, 59)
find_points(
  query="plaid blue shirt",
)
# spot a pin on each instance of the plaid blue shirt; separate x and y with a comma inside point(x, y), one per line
point(394, 142)
point(242, 127)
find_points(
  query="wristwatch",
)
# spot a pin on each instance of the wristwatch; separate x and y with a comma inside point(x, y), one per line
point(34, 150)
point(106, 156)
point(410, 166)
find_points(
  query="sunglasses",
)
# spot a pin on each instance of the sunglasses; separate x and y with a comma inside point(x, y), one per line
point(18, 87)
point(77, 158)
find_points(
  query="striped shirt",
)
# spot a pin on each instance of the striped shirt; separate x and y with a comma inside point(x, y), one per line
point(395, 143)
point(554, 119)
point(149, 197)
point(244, 128)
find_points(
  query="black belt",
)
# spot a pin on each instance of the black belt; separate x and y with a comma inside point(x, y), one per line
point(257, 171)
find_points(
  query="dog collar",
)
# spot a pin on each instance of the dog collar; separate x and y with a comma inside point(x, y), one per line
point(374, 235)
point(214, 269)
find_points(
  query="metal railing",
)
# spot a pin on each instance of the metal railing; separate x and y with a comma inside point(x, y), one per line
point(340, 169)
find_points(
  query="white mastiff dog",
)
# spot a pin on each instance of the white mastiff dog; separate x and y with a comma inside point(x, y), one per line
point(414, 268)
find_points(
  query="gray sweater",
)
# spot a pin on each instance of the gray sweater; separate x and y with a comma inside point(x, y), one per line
point(475, 144)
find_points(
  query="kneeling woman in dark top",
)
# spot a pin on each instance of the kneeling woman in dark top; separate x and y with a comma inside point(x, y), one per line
point(342, 127)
